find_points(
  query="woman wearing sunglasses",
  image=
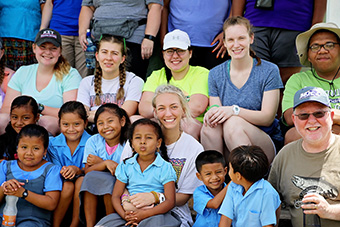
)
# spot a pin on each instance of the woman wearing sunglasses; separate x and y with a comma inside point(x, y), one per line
point(243, 96)
point(192, 80)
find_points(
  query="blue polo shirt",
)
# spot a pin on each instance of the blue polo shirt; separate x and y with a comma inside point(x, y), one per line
point(95, 145)
point(206, 217)
point(60, 154)
point(153, 178)
point(254, 209)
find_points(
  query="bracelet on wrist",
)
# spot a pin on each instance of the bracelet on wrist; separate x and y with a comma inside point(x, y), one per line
point(156, 197)
point(124, 195)
point(150, 37)
point(213, 106)
point(126, 200)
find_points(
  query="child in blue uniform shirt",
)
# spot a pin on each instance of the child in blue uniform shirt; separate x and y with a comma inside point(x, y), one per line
point(211, 169)
point(67, 151)
point(35, 181)
point(250, 200)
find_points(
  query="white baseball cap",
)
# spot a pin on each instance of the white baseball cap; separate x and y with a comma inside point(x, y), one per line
point(176, 39)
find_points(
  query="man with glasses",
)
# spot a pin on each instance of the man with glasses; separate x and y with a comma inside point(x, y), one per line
point(311, 164)
point(319, 50)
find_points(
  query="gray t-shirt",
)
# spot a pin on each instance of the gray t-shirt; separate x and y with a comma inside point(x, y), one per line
point(118, 9)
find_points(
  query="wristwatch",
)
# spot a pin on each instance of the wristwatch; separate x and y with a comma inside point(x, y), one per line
point(24, 194)
point(41, 108)
point(161, 197)
point(236, 110)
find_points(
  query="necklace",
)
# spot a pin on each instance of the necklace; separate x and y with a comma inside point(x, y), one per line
point(172, 150)
point(331, 84)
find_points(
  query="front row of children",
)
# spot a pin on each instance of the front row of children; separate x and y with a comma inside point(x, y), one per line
point(42, 189)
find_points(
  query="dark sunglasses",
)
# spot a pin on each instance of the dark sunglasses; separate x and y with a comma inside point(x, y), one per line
point(305, 116)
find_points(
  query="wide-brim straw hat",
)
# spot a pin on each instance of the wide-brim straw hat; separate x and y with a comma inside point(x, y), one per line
point(303, 39)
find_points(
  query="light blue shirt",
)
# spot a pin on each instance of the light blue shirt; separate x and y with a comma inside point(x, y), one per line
point(60, 154)
point(25, 79)
point(206, 217)
point(95, 145)
point(254, 209)
point(153, 178)
point(52, 181)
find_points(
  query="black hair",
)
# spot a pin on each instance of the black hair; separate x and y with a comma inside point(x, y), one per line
point(209, 157)
point(158, 132)
point(73, 107)
point(23, 101)
point(33, 130)
point(120, 113)
point(250, 161)
point(168, 73)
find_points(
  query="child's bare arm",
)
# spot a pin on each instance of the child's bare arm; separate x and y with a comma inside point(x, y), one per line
point(225, 221)
point(116, 194)
point(101, 166)
point(218, 199)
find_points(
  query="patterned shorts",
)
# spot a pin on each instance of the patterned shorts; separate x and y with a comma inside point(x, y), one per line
point(18, 52)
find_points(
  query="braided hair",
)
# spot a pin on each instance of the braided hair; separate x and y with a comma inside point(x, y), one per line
point(99, 73)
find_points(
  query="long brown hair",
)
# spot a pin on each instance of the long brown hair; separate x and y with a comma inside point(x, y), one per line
point(99, 73)
point(238, 20)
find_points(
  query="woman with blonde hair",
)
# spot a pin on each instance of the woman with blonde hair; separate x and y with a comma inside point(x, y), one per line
point(244, 95)
point(51, 81)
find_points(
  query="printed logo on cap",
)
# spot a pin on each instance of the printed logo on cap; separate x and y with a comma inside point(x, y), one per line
point(48, 34)
point(310, 93)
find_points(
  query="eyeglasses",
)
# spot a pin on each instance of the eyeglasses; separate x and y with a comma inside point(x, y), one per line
point(317, 114)
point(170, 52)
point(327, 46)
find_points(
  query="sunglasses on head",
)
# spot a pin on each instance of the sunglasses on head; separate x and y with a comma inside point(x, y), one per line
point(317, 114)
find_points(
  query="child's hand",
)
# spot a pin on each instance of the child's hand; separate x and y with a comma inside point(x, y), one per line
point(11, 186)
point(93, 159)
point(135, 217)
point(111, 166)
point(128, 206)
point(69, 172)
point(130, 219)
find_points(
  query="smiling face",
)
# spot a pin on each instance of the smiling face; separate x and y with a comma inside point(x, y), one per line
point(109, 126)
point(169, 110)
point(177, 62)
point(21, 116)
point(313, 130)
point(110, 57)
point(31, 151)
point(213, 176)
point(47, 54)
point(237, 41)
point(324, 61)
point(145, 141)
point(72, 126)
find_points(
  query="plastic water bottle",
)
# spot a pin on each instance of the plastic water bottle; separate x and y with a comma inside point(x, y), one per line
point(311, 220)
point(10, 211)
point(90, 52)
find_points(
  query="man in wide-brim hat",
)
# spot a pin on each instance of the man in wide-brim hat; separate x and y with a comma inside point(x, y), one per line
point(319, 50)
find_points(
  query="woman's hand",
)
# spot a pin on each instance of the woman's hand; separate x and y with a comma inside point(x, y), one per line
point(93, 159)
point(147, 48)
point(111, 166)
point(69, 172)
point(217, 115)
point(140, 200)
point(220, 46)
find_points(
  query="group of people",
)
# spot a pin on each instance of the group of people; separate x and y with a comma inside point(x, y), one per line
point(144, 171)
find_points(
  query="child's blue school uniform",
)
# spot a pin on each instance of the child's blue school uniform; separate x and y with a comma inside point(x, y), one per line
point(95, 145)
point(256, 208)
point(153, 178)
point(206, 217)
point(60, 154)
point(44, 179)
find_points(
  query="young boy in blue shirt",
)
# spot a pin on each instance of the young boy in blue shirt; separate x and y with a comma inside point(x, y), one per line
point(250, 200)
point(211, 169)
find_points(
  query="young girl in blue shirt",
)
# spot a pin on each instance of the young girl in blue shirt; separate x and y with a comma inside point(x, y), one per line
point(148, 170)
point(35, 181)
point(101, 157)
point(67, 151)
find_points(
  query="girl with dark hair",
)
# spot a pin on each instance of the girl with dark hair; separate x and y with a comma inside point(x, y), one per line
point(51, 81)
point(101, 157)
point(35, 181)
point(111, 82)
point(24, 111)
point(244, 96)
